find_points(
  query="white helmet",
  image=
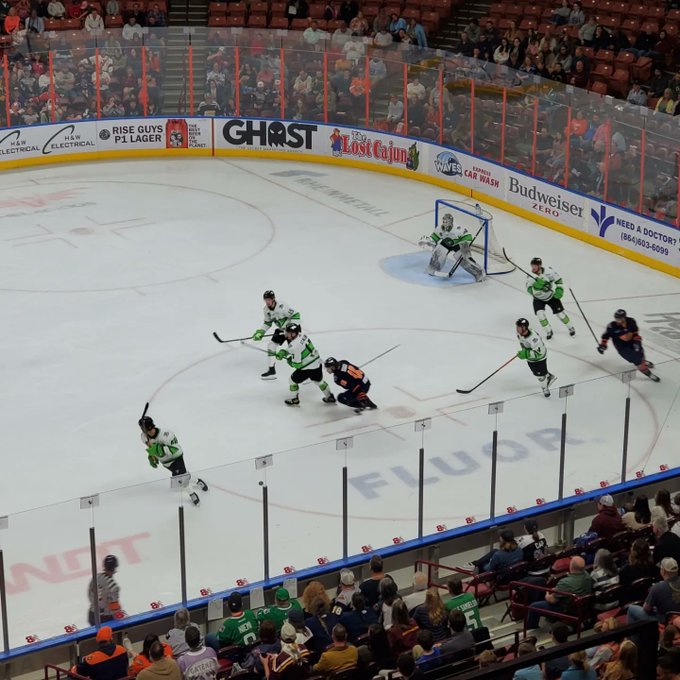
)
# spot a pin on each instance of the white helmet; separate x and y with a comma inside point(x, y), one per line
point(447, 222)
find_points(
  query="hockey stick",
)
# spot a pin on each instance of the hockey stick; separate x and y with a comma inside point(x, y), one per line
point(460, 259)
point(370, 361)
point(512, 358)
point(257, 349)
point(146, 408)
point(516, 266)
point(219, 339)
point(584, 318)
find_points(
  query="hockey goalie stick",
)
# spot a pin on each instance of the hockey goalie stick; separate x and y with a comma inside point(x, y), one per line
point(382, 354)
point(219, 339)
point(460, 259)
point(512, 358)
point(585, 318)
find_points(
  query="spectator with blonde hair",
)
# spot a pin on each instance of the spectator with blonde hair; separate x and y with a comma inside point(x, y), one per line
point(580, 668)
point(312, 591)
point(625, 667)
point(431, 615)
point(487, 658)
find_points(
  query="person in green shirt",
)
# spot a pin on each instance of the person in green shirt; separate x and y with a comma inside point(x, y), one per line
point(241, 628)
point(278, 614)
point(466, 603)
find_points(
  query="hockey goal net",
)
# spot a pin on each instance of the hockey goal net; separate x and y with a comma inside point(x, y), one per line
point(478, 222)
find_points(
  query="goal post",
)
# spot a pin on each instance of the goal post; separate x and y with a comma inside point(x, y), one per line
point(475, 219)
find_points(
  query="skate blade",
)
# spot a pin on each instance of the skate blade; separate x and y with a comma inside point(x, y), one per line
point(267, 377)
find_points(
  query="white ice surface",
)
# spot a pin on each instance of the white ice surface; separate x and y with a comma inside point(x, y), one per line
point(113, 277)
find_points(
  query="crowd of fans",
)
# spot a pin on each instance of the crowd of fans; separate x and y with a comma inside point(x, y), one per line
point(625, 566)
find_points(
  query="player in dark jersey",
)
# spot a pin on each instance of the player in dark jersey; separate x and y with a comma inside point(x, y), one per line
point(623, 332)
point(353, 380)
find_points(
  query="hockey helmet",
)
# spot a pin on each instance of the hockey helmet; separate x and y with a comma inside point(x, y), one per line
point(537, 260)
point(268, 295)
point(331, 362)
point(110, 563)
point(620, 314)
point(522, 323)
point(146, 423)
point(447, 222)
point(293, 328)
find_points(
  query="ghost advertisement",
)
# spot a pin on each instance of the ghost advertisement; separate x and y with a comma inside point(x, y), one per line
point(263, 134)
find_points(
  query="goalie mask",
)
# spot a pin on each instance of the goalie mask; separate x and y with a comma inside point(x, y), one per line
point(447, 222)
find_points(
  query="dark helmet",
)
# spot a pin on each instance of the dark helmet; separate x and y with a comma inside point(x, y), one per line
point(331, 362)
point(268, 294)
point(146, 423)
point(537, 260)
point(293, 328)
point(522, 322)
point(620, 314)
point(111, 561)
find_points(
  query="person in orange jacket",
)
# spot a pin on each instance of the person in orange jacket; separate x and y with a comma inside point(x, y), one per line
point(143, 659)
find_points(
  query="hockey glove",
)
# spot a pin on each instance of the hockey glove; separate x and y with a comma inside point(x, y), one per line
point(523, 354)
point(258, 335)
point(559, 292)
point(153, 461)
point(281, 354)
point(601, 348)
point(540, 284)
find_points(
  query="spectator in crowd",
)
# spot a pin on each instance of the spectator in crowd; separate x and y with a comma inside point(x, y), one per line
point(425, 653)
point(431, 615)
point(348, 10)
point(668, 667)
point(555, 667)
point(663, 597)
point(403, 633)
point(12, 22)
point(377, 70)
point(395, 112)
point(208, 106)
point(670, 639)
point(292, 662)
point(667, 543)
point(312, 35)
point(321, 623)
point(346, 589)
point(465, 46)
point(312, 591)
point(577, 582)
point(461, 638)
point(383, 38)
point(530, 672)
point(607, 522)
point(371, 586)
point(303, 83)
point(639, 516)
point(108, 661)
point(502, 52)
point(279, 612)
point(56, 9)
point(416, 33)
point(296, 617)
point(137, 13)
point(636, 95)
point(389, 594)
point(561, 15)
point(112, 8)
point(487, 658)
point(586, 33)
point(605, 574)
point(143, 659)
point(93, 21)
point(407, 667)
point(600, 655)
point(396, 24)
point(35, 24)
point(358, 619)
point(644, 43)
point(640, 564)
point(176, 637)
point(359, 25)
point(381, 21)
point(198, 662)
point(417, 597)
point(155, 16)
point(340, 656)
point(625, 667)
point(473, 30)
point(576, 16)
point(378, 649)
point(579, 668)
point(662, 500)
point(269, 646)
point(132, 30)
point(341, 35)
point(463, 602)
point(601, 39)
point(240, 628)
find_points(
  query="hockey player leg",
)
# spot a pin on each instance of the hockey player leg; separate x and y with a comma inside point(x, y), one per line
point(644, 369)
point(328, 397)
point(562, 316)
point(439, 255)
point(543, 320)
point(471, 267)
point(294, 400)
point(270, 373)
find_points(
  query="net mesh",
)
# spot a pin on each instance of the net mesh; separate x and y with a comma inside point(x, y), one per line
point(474, 218)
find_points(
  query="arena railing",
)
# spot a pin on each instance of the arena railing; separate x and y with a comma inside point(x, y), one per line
point(466, 469)
point(630, 157)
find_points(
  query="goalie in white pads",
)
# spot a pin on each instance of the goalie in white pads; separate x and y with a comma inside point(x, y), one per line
point(450, 244)
point(162, 447)
point(533, 351)
point(302, 356)
point(278, 314)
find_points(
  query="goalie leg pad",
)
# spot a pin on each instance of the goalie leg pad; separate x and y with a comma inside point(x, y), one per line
point(471, 267)
point(438, 260)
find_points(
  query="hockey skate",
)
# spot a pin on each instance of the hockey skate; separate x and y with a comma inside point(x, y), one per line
point(269, 374)
point(194, 498)
point(651, 375)
point(549, 334)
point(293, 401)
point(330, 399)
point(572, 332)
point(546, 388)
point(650, 364)
point(201, 484)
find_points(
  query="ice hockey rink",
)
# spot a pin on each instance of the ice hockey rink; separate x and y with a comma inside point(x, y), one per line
point(114, 276)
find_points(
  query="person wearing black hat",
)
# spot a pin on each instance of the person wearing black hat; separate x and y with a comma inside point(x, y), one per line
point(240, 628)
point(534, 546)
point(625, 336)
